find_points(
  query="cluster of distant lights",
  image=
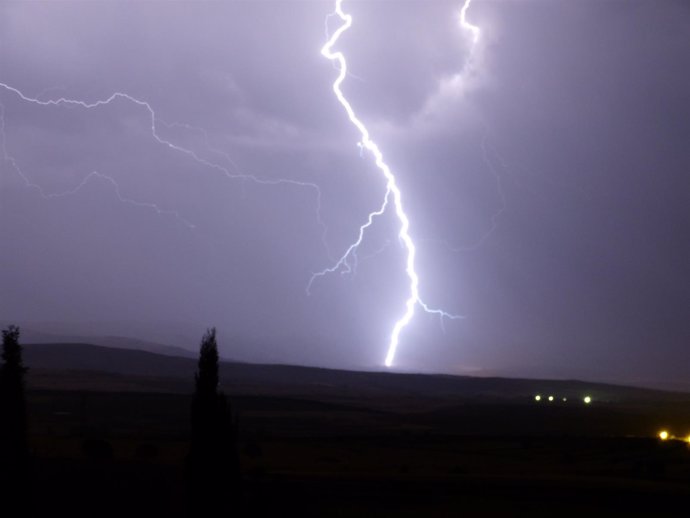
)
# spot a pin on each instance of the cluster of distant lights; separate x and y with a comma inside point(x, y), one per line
point(665, 435)
point(586, 400)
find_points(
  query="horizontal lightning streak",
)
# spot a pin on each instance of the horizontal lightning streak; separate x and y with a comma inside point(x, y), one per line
point(154, 132)
point(94, 174)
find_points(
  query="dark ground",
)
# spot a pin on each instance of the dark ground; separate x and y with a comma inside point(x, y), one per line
point(332, 443)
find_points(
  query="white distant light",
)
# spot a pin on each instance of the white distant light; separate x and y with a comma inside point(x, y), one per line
point(587, 400)
point(550, 398)
point(663, 435)
point(565, 399)
point(537, 397)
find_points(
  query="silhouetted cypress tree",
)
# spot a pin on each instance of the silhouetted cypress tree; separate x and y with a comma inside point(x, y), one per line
point(206, 377)
point(213, 463)
point(14, 453)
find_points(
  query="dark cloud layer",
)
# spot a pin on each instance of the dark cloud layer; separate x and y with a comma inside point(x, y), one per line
point(568, 135)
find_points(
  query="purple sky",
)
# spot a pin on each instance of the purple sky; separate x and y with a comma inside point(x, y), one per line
point(548, 190)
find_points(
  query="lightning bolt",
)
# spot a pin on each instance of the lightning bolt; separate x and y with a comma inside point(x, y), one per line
point(154, 123)
point(454, 84)
point(392, 194)
point(472, 29)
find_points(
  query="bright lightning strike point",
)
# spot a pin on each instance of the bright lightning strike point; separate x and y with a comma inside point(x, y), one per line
point(392, 191)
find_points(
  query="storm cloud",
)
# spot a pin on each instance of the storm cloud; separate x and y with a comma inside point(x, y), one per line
point(548, 187)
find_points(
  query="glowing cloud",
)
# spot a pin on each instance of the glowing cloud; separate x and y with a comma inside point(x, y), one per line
point(454, 85)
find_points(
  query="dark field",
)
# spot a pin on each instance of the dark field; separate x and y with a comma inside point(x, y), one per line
point(332, 443)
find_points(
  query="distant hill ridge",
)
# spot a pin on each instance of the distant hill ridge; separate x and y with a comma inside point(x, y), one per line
point(118, 342)
point(299, 379)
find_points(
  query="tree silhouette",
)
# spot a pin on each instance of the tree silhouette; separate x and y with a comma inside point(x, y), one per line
point(206, 377)
point(213, 464)
point(14, 452)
